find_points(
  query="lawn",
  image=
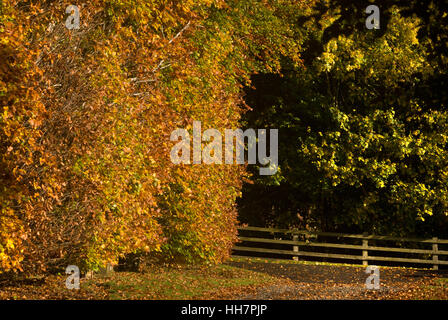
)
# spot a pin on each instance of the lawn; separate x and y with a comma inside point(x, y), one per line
point(156, 283)
point(239, 278)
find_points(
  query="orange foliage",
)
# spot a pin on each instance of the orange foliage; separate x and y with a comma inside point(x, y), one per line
point(86, 118)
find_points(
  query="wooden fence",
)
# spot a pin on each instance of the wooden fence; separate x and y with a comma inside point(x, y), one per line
point(271, 237)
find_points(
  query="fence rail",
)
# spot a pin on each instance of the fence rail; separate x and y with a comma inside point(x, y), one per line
point(365, 247)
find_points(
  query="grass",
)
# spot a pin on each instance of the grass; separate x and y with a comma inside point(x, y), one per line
point(176, 283)
point(156, 283)
point(314, 263)
point(290, 261)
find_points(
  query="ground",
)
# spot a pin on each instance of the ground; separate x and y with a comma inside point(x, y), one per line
point(317, 281)
point(240, 278)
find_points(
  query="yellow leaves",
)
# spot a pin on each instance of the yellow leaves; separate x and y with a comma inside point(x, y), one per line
point(327, 61)
point(9, 244)
point(5, 114)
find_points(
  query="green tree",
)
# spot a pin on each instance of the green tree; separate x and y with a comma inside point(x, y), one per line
point(362, 145)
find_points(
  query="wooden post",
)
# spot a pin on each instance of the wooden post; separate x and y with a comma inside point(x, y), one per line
point(295, 237)
point(365, 251)
point(435, 257)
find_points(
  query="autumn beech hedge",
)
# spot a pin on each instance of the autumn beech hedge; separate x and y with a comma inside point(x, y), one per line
point(85, 173)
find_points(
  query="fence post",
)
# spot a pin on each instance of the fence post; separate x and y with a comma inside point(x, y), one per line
point(295, 237)
point(365, 251)
point(435, 257)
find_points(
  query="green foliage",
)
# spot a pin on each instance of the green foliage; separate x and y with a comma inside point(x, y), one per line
point(361, 149)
